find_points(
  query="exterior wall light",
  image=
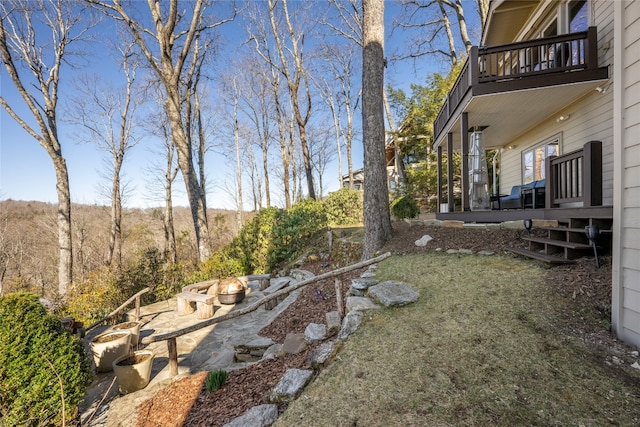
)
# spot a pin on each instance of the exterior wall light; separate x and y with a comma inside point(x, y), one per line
point(563, 118)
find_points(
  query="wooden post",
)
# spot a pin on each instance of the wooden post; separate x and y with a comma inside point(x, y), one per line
point(172, 348)
point(450, 201)
point(439, 186)
point(137, 308)
point(338, 284)
point(464, 159)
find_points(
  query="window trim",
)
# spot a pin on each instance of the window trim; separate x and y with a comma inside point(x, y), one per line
point(555, 138)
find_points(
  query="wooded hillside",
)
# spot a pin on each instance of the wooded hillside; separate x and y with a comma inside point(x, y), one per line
point(28, 240)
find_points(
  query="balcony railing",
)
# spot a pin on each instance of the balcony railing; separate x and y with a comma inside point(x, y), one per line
point(575, 177)
point(526, 64)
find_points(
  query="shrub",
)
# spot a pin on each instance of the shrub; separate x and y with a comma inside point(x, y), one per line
point(215, 380)
point(36, 354)
point(404, 207)
point(343, 207)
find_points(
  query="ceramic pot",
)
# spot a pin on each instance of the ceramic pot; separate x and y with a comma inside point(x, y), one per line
point(108, 347)
point(133, 327)
point(133, 370)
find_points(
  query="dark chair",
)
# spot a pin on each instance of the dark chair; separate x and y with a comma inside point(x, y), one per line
point(513, 200)
point(534, 195)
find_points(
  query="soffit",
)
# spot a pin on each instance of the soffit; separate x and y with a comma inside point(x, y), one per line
point(506, 20)
point(512, 114)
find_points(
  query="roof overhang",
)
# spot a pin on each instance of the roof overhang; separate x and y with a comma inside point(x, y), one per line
point(506, 19)
point(509, 115)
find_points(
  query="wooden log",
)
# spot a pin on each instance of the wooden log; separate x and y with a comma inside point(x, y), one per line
point(183, 306)
point(172, 349)
point(205, 310)
point(339, 302)
point(255, 305)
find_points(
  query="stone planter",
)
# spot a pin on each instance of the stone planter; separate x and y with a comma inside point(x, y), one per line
point(133, 327)
point(133, 370)
point(108, 347)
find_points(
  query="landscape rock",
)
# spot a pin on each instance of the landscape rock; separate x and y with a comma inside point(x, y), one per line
point(465, 251)
point(360, 304)
point(273, 352)
point(293, 343)
point(322, 354)
point(452, 251)
point(452, 224)
point(361, 284)
point(486, 253)
point(368, 274)
point(290, 385)
point(333, 323)
point(258, 416)
point(423, 240)
point(391, 293)
point(315, 332)
point(300, 274)
point(350, 324)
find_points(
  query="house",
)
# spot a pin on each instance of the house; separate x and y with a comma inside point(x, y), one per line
point(395, 170)
point(554, 88)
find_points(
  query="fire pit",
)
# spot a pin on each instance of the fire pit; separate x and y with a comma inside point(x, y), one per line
point(231, 291)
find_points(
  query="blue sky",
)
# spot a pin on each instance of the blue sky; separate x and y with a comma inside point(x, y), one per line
point(26, 172)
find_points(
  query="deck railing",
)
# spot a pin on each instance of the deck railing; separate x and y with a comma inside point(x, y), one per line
point(575, 177)
point(521, 61)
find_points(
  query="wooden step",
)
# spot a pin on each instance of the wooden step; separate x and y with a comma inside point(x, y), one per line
point(540, 256)
point(558, 243)
point(573, 230)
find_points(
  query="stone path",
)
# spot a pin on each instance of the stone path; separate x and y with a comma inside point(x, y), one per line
point(220, 346)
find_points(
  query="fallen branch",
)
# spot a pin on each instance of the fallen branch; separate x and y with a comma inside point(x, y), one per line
point(255, 305)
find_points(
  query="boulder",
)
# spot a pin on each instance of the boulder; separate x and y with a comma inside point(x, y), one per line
point(391, 293)
point(290, 385)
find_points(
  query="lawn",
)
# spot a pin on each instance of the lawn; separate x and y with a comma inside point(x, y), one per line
point(483, 346)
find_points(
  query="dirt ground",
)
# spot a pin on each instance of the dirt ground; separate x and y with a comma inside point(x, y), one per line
point(186, 402)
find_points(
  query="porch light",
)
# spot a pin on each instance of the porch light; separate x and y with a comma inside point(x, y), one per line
point(563, 118)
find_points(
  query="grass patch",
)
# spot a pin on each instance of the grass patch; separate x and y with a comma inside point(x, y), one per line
point(478, 348)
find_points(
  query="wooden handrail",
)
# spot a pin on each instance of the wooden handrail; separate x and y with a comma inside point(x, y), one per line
point(170, 337)
point(575, 177)
point(117, 310)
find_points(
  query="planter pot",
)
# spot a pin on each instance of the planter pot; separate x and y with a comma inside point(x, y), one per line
point(133, 327)
point(108, 347)
point(231, 297)
point(133, 370)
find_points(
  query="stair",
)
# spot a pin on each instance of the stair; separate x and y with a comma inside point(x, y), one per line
point(568, 241)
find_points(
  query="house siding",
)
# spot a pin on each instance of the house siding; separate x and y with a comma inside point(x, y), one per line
point(626, 238)
point(591, 118)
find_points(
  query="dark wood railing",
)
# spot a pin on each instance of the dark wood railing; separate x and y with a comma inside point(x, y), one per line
point(493, 68)
point(575, 177)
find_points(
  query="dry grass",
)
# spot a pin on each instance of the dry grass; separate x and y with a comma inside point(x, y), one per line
point(479, 348)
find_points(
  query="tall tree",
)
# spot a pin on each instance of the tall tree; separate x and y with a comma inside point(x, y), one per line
point(377, 219)
point(289, 47)
point(170, 50)
point(34, 41)
point(106, 117)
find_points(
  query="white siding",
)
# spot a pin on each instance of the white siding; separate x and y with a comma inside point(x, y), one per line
point(626, 262)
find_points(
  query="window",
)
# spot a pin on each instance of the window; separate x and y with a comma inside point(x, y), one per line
point(578, 18)
point(534, 159)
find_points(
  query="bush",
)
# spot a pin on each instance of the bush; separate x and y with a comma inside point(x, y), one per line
point(343, 207)
point(31, 340)
point(215, 380)
point(404, 207)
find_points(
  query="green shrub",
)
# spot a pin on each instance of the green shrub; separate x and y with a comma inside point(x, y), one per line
point(31, 340)
point(343, 207)
point(215, 380)
point(294, 229)
point(404, 207)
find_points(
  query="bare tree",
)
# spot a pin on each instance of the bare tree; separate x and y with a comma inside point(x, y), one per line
point(377, 220)
point(289, 47)
point(34, 38)
point(169, 48)
point(430, 21)
point(106, 117)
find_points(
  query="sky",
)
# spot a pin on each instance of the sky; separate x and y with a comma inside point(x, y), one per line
point(26, 171)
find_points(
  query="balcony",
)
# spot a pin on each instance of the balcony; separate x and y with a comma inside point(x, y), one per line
point(561, 68)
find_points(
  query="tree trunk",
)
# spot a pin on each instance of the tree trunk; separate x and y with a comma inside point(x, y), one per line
point(65, 263)
point(377, 221)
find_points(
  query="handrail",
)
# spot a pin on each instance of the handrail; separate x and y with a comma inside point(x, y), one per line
point(117, 310)
point(575, 177)
point(170, 337)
